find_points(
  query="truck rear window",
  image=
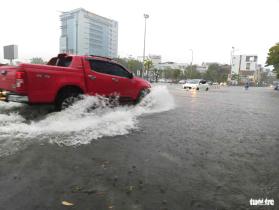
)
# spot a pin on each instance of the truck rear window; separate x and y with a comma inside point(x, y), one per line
point(60, 61)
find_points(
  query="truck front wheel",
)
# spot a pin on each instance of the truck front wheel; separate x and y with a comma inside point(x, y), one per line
point(142, 94)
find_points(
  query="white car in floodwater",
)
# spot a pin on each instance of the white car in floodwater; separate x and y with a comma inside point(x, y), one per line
point(196, 84)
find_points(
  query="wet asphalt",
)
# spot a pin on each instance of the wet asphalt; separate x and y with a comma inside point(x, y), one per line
point(216, 150)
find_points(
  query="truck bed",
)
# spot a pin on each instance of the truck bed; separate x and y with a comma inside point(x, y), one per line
point(7, 78)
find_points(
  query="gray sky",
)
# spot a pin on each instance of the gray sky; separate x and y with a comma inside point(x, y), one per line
point(210, 28)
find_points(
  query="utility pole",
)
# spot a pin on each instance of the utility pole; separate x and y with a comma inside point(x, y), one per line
point(143, 57)
point(232, 54)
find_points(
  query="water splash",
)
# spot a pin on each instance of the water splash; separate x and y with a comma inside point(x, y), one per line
point(21, 124)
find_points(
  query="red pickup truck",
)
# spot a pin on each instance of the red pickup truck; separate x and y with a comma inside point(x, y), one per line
point(65, 77)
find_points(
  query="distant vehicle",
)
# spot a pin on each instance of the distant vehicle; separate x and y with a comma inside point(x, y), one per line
point(65, 77)
point(182, 81)
point(162, 80)
point(196, 84)
point(215, 83)
point(275, 85)
point(246, 85)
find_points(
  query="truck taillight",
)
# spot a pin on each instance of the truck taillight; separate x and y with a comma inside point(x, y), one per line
point(20, 81)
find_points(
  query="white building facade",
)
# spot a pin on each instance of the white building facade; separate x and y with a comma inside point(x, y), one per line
point(244, 68)
point(171, 65)
point(86, 33)
point(156, 59)
point(244, 63)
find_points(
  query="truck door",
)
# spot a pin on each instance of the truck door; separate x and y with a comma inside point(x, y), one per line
point(124, 82)
point(98, 78)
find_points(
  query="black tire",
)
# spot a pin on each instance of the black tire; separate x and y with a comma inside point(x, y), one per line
point(66, 99)
point(142, 94)
point(197, 88)
point(206, 89)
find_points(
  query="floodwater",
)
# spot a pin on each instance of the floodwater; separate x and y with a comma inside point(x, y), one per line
point(176, 150)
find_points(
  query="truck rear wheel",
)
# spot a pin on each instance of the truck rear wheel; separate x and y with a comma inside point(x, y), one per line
point(66, 99)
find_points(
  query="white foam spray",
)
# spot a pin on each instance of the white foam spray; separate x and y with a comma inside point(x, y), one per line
point(77, 124)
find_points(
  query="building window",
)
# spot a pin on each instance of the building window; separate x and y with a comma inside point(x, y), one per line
point(251, 58)
point(96, 46)
point(248, 66)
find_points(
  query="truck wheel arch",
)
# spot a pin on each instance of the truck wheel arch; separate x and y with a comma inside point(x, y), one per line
point(65, 90)
point(68, 88)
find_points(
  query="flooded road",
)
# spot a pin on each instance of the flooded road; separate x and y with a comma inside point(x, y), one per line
point(177, 150)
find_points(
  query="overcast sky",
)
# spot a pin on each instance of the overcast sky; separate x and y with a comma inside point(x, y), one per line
point(210, 28)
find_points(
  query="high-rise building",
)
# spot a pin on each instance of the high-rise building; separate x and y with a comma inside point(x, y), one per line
point(83, 32)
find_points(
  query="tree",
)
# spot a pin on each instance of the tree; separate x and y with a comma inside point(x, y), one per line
point(273, 58)
point(37, 60)
point(148, 64)
point(191, 72)
point(134, 64)
point(167, 73)
point(212, 72)
point(173, 74)
point(217, 73)
point(176, 74)
point(224, 72)
point(156, 74)
point(235, 77)
point(130, 63)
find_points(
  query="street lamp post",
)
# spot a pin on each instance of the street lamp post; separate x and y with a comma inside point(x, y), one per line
point(191, 62)
point(232, 54)
point(143, 57)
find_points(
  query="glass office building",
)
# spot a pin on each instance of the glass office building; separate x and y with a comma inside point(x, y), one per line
point(86, 33)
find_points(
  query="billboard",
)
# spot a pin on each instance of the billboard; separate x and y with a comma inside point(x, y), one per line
point(10, 52)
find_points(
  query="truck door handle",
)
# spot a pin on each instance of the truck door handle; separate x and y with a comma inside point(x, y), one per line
point(92, 77)
point(114, 79)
